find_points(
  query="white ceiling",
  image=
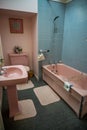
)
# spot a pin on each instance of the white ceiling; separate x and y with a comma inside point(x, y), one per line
point(14, 13)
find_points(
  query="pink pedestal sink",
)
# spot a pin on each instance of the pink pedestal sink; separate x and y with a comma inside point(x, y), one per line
point(13, 75)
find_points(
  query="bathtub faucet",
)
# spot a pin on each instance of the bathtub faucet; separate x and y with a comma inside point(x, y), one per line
point(54, 68)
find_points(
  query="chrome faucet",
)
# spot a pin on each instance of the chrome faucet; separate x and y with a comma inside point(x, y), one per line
point(1, 71)
point(1, 64)
point(54, 68)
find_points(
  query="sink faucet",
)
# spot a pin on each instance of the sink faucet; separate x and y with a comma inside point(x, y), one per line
point(1, 64)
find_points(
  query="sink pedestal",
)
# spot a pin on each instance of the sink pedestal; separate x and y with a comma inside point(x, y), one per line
point(12, 100)
point(13, 75)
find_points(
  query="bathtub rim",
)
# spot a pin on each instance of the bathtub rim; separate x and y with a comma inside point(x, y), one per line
point(82, 92)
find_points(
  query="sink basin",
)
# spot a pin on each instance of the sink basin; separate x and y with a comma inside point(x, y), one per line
point(13, 75)
point(13, 72)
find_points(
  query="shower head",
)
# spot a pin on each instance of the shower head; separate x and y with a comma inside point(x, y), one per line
point(55, 26)
point(56, 18)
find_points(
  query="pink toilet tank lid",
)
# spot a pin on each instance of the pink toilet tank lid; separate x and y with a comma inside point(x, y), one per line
point(19, 59)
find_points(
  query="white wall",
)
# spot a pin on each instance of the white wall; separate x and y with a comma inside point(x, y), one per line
point(35, 45)
point(20, 5)
point(1, 52)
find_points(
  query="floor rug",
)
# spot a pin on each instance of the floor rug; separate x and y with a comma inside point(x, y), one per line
point(25, 85)
point(46, 95)
point(27, 109)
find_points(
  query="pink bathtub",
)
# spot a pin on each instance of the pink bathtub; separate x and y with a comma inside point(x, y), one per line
point(76, 97)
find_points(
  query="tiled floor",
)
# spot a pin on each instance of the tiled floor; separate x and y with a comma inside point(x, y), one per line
point(55, 116)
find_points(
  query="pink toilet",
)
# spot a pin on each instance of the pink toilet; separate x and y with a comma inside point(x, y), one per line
point(19, 59)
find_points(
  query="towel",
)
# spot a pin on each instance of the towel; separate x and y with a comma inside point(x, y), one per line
point(41, 57)
point(67, 86)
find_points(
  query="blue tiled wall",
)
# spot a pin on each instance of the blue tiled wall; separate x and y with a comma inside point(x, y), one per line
point(75, 35)
point(48, 39)
point(69, 43)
